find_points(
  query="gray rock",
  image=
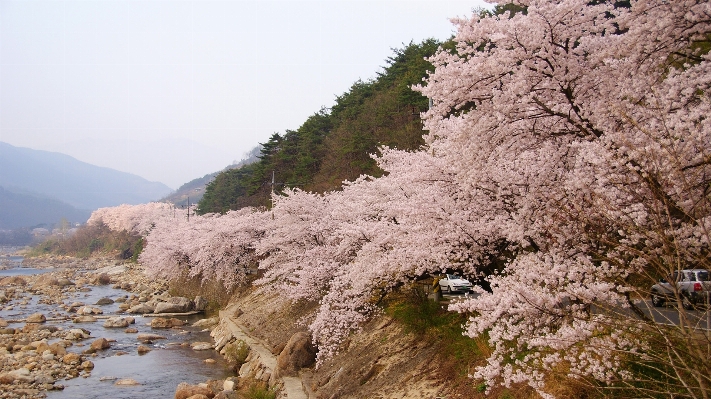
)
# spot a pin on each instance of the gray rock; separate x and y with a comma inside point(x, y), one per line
point(201, 346)
point(116, 322)
point(173, 306)
point(199, 303)
point(141, 309)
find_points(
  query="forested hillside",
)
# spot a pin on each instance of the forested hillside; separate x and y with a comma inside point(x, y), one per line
point(334, 144)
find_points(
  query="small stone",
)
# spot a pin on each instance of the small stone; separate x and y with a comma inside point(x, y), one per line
point(127, 382)
point(149, 337)
point(84, 319)
point(201, 346)
point(142, 349)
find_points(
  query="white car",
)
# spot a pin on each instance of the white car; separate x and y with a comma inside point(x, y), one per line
point(451, 283)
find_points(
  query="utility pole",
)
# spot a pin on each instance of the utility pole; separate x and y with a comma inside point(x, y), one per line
point(188, 209)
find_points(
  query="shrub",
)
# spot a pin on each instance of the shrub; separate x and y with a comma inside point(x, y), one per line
point(237, 351)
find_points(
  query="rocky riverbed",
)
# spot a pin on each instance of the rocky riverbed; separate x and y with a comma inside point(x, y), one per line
point(54, 330)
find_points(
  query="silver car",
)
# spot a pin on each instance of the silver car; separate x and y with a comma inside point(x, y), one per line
point(692, 285)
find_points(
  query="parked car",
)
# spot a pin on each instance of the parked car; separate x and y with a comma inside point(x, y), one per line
point(693, 285)
point(451, 283)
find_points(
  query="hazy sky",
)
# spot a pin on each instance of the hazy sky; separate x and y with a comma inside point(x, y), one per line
point(173, 90)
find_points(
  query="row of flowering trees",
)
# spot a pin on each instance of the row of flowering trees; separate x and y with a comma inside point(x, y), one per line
point(567, 158)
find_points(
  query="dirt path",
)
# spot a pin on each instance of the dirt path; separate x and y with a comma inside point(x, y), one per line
point(293, 386)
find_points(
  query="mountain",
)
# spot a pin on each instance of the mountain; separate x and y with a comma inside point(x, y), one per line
point(335, 144)
point(23, 210)
point(195, 189)
point(49, 175)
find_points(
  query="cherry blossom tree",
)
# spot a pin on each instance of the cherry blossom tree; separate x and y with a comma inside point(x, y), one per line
point(210, 247)
point(580, 129)
point(135, 219)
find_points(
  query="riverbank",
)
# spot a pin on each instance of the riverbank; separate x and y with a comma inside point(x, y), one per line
point(380, 361)
point(259, 336)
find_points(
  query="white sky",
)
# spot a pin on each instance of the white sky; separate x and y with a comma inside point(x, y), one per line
point(173, 90)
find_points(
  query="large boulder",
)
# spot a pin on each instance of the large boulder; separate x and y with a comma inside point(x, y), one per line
point(199, 303)
point(118, 322)
point(141, 308)
point(176, 304)
point(185, 390)
point(299, 352)
point(161, 322)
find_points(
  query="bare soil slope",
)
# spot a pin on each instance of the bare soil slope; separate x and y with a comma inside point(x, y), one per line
point(381, 361)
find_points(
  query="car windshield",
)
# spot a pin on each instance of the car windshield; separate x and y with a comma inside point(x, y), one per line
point(454, 277)
point(702, 275)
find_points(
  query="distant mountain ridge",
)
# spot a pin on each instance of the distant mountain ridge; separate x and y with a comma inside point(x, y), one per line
point(51, 175)
point(23, 210)
point(193, 190)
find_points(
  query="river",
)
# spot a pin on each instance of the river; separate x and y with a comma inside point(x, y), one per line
point(158, 372)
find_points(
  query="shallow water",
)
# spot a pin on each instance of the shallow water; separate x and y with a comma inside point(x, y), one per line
point(159, 371)
point(22, 271)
